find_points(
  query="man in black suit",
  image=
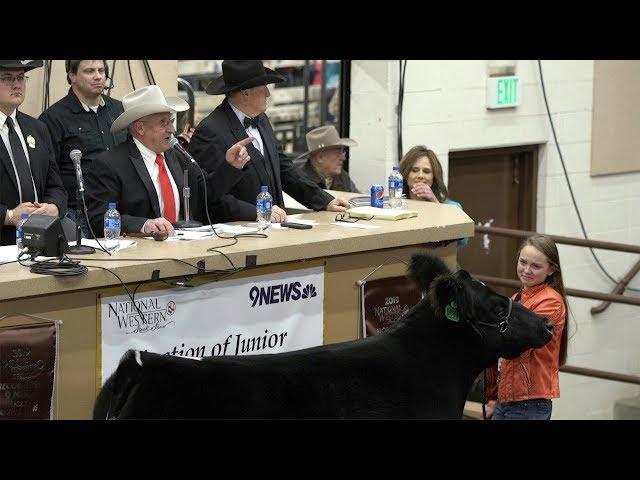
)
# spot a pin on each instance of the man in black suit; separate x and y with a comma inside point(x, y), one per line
point(144, 175)
point(29, 177)
point(241, 114)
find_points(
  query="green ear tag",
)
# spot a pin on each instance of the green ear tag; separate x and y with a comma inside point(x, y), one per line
point(451, 312)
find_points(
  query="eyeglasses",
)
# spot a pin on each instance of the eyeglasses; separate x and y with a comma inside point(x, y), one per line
point(8, 80)
point(344, 217)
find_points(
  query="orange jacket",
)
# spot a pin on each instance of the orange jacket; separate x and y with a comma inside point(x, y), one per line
point(534, 374)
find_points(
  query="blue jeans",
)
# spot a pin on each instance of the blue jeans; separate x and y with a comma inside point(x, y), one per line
point(83, 223)
point(533, 409)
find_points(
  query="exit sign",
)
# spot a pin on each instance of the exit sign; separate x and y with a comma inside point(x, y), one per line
point(504, 92)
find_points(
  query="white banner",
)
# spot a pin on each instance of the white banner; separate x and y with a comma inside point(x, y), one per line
point(271, 313)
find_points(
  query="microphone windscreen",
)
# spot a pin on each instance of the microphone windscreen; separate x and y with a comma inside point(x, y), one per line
point(75, 155)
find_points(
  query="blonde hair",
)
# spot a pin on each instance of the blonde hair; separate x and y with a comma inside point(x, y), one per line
point(548, 248)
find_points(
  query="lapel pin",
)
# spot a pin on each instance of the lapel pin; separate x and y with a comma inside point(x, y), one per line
point(31, 141)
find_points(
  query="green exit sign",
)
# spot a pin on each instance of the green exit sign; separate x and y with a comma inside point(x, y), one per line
point(504, 92)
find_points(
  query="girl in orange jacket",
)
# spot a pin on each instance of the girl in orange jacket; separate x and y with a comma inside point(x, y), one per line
point(522, 388)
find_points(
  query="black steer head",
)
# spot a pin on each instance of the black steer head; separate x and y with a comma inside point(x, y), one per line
point(506, 327)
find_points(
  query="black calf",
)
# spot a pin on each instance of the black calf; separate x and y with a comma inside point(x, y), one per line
point(421, 367)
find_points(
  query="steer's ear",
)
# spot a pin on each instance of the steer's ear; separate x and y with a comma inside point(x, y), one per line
point(444, 296)
point(425, 268)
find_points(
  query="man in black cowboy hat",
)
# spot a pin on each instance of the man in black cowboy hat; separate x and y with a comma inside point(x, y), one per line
point(240, 115)
point(29, 178)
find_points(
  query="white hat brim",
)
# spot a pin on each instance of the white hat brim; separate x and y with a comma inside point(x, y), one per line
point(174, 104)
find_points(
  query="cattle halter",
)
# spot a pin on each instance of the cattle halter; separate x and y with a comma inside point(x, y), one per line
point(503, 324)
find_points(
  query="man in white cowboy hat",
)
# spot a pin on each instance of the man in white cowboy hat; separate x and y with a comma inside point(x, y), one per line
point(326, 155)
point(144, 175)
point(241, 115)
point(29, 177)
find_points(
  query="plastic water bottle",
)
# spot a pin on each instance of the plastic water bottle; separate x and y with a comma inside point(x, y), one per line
point(395, 189)
point(23, 218)
point(263, 208)
point(112, 227)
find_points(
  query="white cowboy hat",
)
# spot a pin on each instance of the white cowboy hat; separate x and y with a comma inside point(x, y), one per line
point(146, 101)
point(325, 137)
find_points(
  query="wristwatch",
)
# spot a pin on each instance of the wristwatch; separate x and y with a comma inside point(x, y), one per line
point(9, 219)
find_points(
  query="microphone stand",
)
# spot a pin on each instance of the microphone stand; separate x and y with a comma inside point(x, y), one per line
point(186, 194)
point(78, 248)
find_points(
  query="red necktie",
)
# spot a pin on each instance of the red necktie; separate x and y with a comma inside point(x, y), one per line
point(166, 190)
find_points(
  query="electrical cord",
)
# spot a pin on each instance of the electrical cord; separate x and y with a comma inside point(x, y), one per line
point(566, 176)
point(108, 88)
point(234, 237)
point(402, 73)
point(232, 270)
point(86, 217)
point(147, 68)
point(131, 74)
point(62, 267)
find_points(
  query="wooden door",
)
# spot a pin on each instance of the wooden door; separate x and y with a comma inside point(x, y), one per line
point(497, 187)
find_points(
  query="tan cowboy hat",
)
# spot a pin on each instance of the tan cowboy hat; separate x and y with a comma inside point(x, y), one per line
point(146, 101)
point(25, 64)
point(325, 137)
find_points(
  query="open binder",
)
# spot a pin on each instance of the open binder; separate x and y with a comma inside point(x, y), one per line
point(369, 213)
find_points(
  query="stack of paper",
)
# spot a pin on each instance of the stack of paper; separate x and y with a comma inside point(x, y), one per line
point(380, 213)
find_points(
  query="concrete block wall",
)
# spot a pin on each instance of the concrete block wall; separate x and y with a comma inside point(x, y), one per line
point(445, 108)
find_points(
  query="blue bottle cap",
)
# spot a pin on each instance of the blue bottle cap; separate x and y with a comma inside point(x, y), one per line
point(112, 205)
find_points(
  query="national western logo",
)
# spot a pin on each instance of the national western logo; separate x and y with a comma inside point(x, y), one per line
point(155, 315)
point(281, 292)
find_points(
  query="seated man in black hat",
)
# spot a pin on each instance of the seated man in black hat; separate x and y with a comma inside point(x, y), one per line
point(240, 115)
point(29, 177)
point(144, 175)
point(326, 155)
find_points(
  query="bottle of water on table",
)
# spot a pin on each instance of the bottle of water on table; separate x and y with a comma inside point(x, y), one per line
point(263, 208)
point(112, 227)
point(395, 189)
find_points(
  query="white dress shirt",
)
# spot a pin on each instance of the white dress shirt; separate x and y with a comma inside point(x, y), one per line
point(251, 131)
point(149, 157)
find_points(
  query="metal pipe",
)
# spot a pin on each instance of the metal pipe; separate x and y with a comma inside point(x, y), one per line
point(619, 288)
point(589, 372)
point(191, 99)
point(508, 232)
point(502, 282)
point(323, 93)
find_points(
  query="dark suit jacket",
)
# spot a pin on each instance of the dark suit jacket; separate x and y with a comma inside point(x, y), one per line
point(219, 131)
point(120, 176)
point(341, 183)
point(43, 168)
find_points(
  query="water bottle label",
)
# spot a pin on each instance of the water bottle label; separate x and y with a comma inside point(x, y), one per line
point(267, 205)
point(111, 223)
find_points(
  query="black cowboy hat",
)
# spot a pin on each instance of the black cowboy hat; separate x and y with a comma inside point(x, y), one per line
point(26, 64)
point(240, 74)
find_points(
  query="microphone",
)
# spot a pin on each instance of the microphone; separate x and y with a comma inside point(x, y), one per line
point(175, 144)
point(75, 156)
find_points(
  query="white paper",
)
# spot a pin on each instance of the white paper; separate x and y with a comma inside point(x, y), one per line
point(189, 235)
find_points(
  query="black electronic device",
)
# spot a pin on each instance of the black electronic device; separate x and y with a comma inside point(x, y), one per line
point(299, 226)
point(43, 235)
